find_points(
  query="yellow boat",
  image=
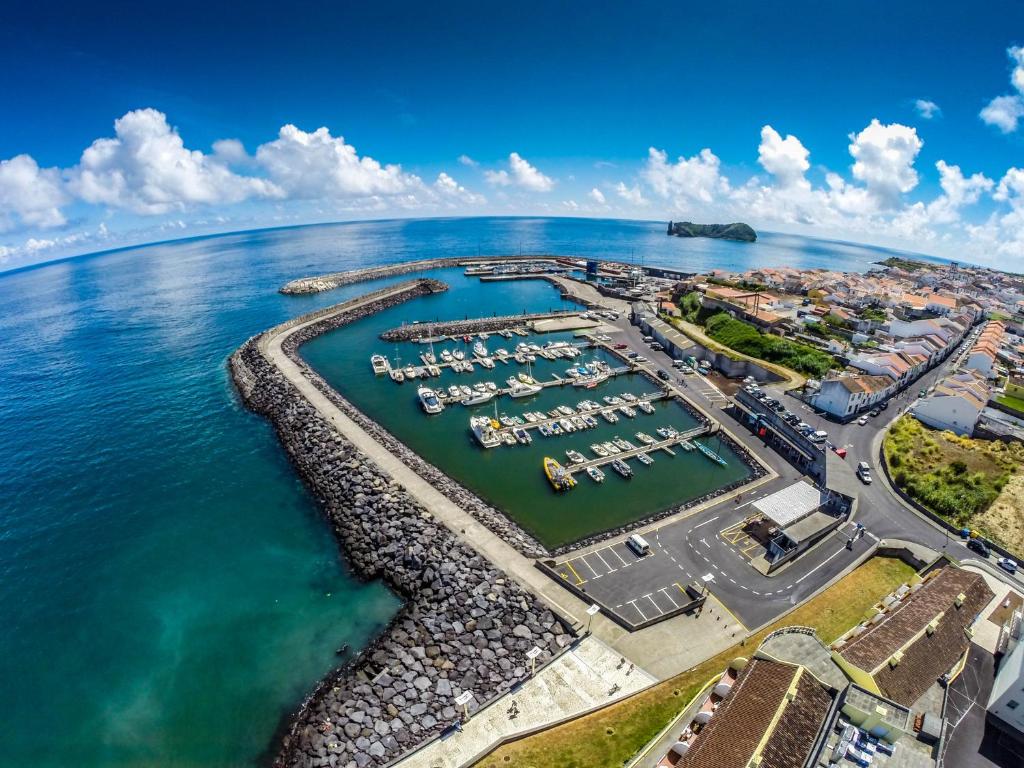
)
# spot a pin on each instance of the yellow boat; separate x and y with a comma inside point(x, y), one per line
point(558, 476)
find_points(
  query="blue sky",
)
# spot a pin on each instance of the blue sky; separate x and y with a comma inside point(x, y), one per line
point(757, 111)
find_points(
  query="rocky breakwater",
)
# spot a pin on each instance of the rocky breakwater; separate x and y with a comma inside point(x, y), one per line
point(465, 625)
point(477, 325)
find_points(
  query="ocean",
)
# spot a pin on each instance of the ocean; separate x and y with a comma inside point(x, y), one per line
point(170, 590)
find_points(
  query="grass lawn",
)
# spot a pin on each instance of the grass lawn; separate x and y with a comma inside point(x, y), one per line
point(958, 478)
point(611, 736)
point(1012, 402)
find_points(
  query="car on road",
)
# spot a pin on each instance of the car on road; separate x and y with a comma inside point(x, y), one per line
point(979, 546)
point(883, 405)
point(864, 472)
point(1008, 565)
point(622, 346)
point(633, 355)
point(656, 347)
point(862, 420)
point(874, 412)
point(639, 359)
point(820, 436)
point(663, 374)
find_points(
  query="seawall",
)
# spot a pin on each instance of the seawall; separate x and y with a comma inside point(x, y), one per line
point(465, 626)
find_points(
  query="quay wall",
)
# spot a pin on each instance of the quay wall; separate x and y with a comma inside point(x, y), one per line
point(476, 325)
point(320, 283)
point(465, 626)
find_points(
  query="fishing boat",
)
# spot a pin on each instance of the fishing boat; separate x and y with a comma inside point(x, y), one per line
point(479, 399)
point(644, 438)
point(598, 449)
point(627, 411)
point(379, 364)
point(644, 458)
point(575, 457)
point(523, 390)
point(397, 375)
point(482, 430)
point(622, 468)
point(429, 400)
point(558, 476)
point(709, 453)
point(609, 416)
point(645, 406)
point(522, 436)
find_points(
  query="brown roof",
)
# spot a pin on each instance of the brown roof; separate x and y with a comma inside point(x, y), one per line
point(928, 656)
point(732, 736)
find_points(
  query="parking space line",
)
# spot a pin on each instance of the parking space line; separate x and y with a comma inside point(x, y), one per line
point(656, 606)
point(610, 569)
point(664, 591)
point(642, 615)
point(624, 563)
point(579, 580)
point(583, 560)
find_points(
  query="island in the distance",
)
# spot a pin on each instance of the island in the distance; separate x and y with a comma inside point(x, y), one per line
point(735, 231)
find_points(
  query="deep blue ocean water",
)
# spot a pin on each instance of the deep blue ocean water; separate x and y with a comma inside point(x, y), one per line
point(170, 592)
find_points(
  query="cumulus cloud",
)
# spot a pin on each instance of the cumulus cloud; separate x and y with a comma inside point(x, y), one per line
point(884, 158)
point(927, 109)
point(318, 165)
point(520, 174)
point(597, 196)
point(785, 159)
point(696, 178)
point(449, 188)
point(231, 151)
point(632, 195)
point(1005, 112)
point(30, 195)
point(468, 161)
point(146, 169)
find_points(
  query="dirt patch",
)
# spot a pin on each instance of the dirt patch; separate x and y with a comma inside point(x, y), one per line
point(1005, 518)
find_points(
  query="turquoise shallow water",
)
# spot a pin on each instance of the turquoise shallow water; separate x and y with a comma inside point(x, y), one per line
point(169, 590)
point(510, 477)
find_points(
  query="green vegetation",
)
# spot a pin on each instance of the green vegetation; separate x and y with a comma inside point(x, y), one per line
point(958, 478)
point(735, 231)
point(1011, 402)
point(745, 338)
point(910, 265)
point(611, 736)
point(740, 285)
point(875, 314)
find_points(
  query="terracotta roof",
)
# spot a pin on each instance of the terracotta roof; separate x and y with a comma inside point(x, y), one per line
point(867, 384)
point(925, 656)
point(744, 718)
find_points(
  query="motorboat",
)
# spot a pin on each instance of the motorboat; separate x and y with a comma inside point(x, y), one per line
point(379, 364)
point(579, 423)
point(518, 421)
point(589, 420)
point(598, 449)
point(627, 411)
point(589, 382)
point(664, 432)
point(622, 468)
point(554, 413)
point(530, 357)
point(479, 387)
point(501, 353)
point(454, 392)
point(519, 358)
point(609, 416)
point(397, 375)
point(411, 372)
point(611, 447)
point(629, 397)
point(428, 358)
point(644, 438)
point(565, 410)
point(545, 430)
point(479, 398)
point(446, 356)
point(623, 444)
point(482, 430)
point(523, 390)
point(566, 425)
point(644, 458)
point(522, 435)
point(612, 399)
point(486, 362)
point(491, 386)
point(506, 420)
point(466, 391)
point(575, 457)
point(467, 367)
point(484, 335)
point(645, 406)
point(558, 476)
point(709, 453)
point(555, 429)
point(458, 354)
point(526, 379)
point(429, 400)
point(508, 438)
point(505, 333)
point(480, 350)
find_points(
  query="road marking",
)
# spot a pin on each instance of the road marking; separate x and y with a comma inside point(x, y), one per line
point(642, 615)
point(578, 579)
point(656, 606)
point(664, 591)
point(583, 560)
point(610, 569)
point(823, 562)
point(709, 520)
point(705, 543)
point(624, 563)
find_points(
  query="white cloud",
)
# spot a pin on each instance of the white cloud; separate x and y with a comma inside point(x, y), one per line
point(572, 205)
point(468, 161)
point(785, 159)
point(597, 196)
point(884, 159)
point(522, 175)
point(147, 169)
point(231, 151)
point(688, 179)
point(318, 165)
point(632, 195)
point(1004, 112)
point(927, 109)
point(30, 195)
point(448, 187)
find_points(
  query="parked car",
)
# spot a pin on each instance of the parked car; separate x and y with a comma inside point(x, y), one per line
point(640, 359)
point(979, 546)
point(663, 374)
point(862, 420)
point(820, 436)
point(874, 412)
point(864, 472)
point(622, 346)
point(1008, 565)
point(633, 355)
point(883, 405)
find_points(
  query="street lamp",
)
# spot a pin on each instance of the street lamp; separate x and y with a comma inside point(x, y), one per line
point(591, 612)
point(532, 655)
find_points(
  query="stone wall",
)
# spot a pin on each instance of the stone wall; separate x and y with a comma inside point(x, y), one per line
point(464, 626)
point(469, 326)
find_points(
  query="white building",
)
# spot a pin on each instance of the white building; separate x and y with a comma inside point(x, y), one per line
point(955, 404)
point(848, 394)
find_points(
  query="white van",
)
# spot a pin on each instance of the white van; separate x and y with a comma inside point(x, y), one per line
point(818, 437)
point(639, 544)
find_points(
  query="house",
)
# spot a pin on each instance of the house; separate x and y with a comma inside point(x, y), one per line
point(983, 354)
point(955, 404)
point(890, 364)
point(904, 650)
point(940, 304)
point(848, 394)
point(771, 717)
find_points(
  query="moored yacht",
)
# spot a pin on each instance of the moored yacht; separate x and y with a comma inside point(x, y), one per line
point(429, 400)
point(379, 363)
point(482, 430)
point(523, 390)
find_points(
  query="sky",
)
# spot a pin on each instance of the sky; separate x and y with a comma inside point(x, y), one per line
point(897, 124)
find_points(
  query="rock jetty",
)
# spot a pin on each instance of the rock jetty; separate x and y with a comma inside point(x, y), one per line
point(465, 625)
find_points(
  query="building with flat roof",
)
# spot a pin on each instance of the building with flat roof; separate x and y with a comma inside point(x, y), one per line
point(1006, 701)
